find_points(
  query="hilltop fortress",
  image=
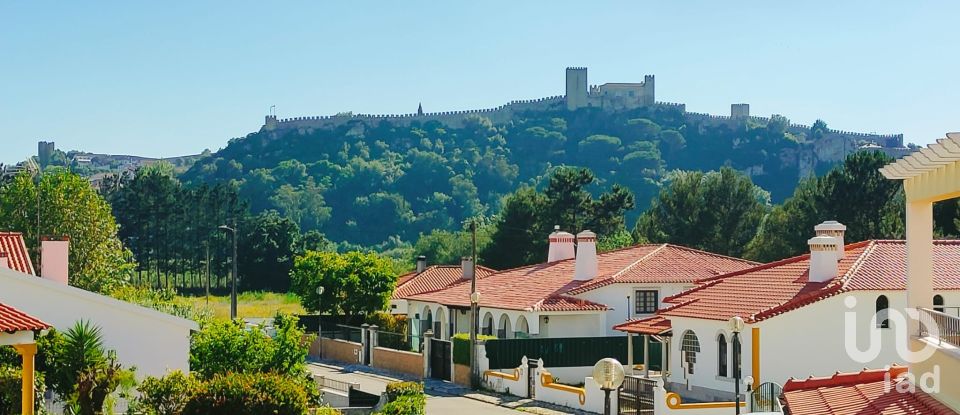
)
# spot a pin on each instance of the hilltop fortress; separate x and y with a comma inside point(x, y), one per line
point(834, 145)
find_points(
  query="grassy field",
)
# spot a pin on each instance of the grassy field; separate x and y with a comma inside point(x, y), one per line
point(249, 304)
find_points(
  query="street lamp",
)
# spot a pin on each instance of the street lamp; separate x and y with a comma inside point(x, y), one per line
point(736, 326)
point(608, 374)
point(233, 288)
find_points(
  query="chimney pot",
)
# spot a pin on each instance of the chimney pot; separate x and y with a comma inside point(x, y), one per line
point(586, 264)
point(823, 258)
point(421, 263)
point(561, 245)
point(55, 259)
point(834, 229)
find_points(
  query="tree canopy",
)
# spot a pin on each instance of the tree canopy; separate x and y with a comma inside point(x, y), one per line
point(66, 205)
point(354, 283)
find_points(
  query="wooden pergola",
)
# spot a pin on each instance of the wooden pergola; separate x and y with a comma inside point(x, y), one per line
point(18, 329)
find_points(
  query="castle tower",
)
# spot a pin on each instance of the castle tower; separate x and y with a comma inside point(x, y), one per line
point(420, 109)
point(649, 91)
point(576, 88)
point(270, 123)
point(45, 151)
point(739, 110)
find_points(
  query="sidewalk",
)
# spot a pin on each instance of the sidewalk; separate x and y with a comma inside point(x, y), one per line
point(374, 380)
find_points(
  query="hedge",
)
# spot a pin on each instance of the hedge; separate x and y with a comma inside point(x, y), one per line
point(248, 394)
point(404, 398)
point(461, 347)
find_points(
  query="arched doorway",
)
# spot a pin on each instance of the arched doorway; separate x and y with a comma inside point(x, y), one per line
point(438, 330)
point(487, 324)
point(523, 328)
point(503, 329)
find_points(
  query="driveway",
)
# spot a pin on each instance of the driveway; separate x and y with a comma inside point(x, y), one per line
point(436, 404)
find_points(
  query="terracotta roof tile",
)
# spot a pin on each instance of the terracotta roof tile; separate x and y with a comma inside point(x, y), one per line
point(13, 246)
point(863, 393)
point(653, 325)
point(529, 287)
point(433, 278)
point(671, 264)
point(778, 287)
point(12, 320)
point(567, 303)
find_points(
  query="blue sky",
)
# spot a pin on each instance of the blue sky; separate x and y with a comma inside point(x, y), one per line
point(171, 78)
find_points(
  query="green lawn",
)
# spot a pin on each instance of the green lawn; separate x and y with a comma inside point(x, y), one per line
point(249, 304)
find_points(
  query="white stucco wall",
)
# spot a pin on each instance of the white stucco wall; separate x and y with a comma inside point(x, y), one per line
point(575, 325)
point(151, 341)
point(809, 341)
point(397, 306)
point(615, 296)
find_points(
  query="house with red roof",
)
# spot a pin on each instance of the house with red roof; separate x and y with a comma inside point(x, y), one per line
point(152, 341)
point(433, 278)
point(576, 293)
point(867, 392)
point(839, 307)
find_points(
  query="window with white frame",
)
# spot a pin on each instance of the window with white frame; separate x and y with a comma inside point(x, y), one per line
point(647, 301)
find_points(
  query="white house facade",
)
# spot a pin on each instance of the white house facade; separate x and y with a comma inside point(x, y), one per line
point(838, 308)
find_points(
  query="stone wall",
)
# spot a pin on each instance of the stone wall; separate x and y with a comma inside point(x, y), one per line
point(398, 361)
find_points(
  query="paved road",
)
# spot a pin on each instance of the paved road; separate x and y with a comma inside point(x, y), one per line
point(436, 405)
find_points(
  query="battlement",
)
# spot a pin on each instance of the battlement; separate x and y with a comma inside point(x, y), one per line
point(576, 68)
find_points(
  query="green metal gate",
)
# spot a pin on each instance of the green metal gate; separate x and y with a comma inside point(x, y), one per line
point(569, 351)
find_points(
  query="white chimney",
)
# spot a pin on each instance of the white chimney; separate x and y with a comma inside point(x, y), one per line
point(834, 229)
point(55, 259)
point(823, 258)
point(466, 265)
point(421, 263)
point(586, 266)
point(4, 260)
point(561, 245)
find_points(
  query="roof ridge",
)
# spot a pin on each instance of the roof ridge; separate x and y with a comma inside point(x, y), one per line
point(871, 246)
point(699, 287)
point(609, 280)
point(713, 254)
point(844, 378)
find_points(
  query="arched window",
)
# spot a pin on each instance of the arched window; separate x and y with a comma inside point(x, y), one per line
point(938, 303)
point(722, 355)
point(882, 305)
point(689, 347)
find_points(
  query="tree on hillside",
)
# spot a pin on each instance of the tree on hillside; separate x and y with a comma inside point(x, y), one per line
point(68, 206)
point(853, 193)
point(265, 249)
point(354, 283)
point(714, 211)
point(446, 247)
point(528, 216)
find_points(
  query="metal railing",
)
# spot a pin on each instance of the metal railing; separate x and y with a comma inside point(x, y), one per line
point(943, 325)
point(339, 385)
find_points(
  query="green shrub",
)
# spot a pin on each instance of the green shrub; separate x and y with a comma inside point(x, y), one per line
point(326, 410)
point(404, 398)
point(167, 395)
point(405, 405)
point(249, 394)
point(10, 389)
point(397, 389)
point(461, 347)
point(222, 347)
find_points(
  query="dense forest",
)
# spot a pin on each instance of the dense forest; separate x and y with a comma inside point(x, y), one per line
point(377, 185)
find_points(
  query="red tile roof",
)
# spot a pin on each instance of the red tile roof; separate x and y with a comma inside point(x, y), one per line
point(13, 320)
point(778, 287)
point(869, 392)
point(652, 325)
point(434, 278)
point(671, 264)
point(12, 244)
point(543, 286)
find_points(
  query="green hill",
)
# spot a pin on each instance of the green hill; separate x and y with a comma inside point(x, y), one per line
point(367, 179)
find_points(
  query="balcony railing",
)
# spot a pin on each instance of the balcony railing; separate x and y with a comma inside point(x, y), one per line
point(942, 323)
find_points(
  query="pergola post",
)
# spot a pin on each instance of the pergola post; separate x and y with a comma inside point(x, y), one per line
point(27, 352)
point(630, 352)
point(646, 355)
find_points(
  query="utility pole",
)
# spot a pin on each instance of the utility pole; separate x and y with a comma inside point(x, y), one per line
point(473, 305)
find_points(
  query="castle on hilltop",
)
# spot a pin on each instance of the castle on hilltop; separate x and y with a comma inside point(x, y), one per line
point(833, 145)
